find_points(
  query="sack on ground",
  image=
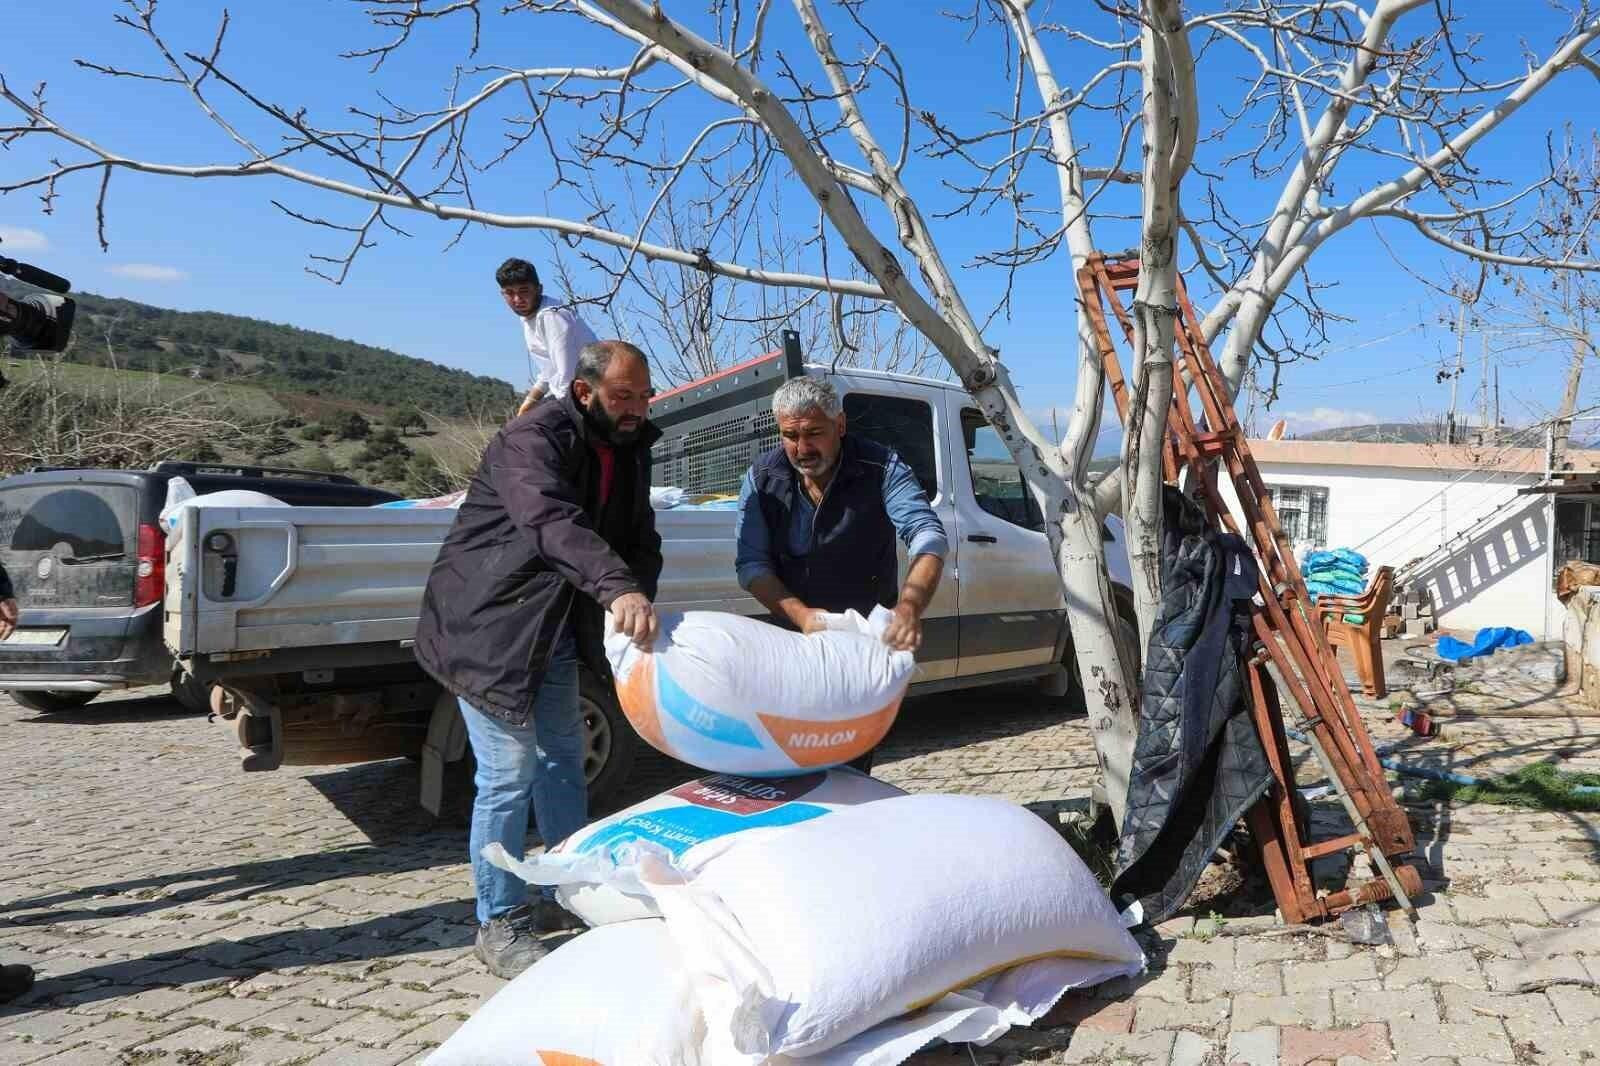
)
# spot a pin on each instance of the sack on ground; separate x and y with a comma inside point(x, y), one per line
point(596, 870)
point(802, 941)
point(617, 996)
point(978, 1015)
point(740, 696)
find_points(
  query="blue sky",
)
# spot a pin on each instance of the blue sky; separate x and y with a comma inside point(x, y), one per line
point(221, 245)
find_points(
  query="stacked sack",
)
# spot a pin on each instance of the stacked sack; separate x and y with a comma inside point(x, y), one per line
point(851, 938)
point(1340, 572)
point(787, 910)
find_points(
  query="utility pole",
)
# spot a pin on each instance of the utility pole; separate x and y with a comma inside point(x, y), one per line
point(1561, 429)
point(1569, 403)
point(1483, 400)
point(1450, 434)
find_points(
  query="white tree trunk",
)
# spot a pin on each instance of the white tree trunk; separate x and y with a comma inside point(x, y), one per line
point(1107, 659)
point(1168, 124)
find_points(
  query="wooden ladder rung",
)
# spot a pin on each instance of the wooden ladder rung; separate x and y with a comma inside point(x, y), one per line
point(1213, 445)
point(1329, 847)
point(1122, 274)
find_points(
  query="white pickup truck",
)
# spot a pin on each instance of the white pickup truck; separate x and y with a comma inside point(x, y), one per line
point(302, 617)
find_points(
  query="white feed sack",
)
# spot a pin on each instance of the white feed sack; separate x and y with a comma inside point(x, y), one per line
point(740, 696)
point(596, 868)
point(181, 495)
point(617, 996)
point(805, 939)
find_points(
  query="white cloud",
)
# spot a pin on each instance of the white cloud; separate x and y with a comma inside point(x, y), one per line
point(149, 272)
point(1326, 418)
point(14, 239)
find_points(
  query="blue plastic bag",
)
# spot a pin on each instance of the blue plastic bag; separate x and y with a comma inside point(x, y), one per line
point(1489, 639)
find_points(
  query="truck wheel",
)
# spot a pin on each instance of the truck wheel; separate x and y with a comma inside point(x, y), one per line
point(49, 702)
point(611, 744)
point(191, 694)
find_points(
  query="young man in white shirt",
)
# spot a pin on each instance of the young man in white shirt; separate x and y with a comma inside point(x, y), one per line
point(554, 334)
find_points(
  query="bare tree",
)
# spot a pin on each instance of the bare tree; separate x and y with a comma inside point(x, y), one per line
point(1525, 312)
point(692, 323)
point(48, 420)
point(738, 107)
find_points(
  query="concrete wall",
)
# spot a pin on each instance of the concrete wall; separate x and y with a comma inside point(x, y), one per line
point(1394, 514)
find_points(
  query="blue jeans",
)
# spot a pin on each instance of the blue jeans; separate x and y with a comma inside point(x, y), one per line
point(540, 762)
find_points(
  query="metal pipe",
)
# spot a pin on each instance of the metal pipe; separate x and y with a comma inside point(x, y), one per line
point(1404, 769)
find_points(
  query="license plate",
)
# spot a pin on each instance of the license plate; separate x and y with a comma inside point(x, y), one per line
point(35, 638)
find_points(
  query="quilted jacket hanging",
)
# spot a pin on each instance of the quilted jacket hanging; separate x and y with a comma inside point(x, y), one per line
point(1198, 764)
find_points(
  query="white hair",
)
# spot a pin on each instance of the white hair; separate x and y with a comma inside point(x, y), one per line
point(799, 396)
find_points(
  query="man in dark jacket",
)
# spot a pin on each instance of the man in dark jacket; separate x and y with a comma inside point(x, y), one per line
point(818, 519)
point(556, 529)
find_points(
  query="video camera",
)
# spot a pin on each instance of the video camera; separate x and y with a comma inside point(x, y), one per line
point(38, 321)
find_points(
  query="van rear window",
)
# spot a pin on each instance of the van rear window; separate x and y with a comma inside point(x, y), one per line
point(70, 544)
point(85, 519)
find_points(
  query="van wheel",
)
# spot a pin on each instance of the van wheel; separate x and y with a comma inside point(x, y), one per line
point(191, 694)
point(50, 702)
point(610, 746)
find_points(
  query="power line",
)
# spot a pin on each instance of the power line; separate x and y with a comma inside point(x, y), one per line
point(1489, 467)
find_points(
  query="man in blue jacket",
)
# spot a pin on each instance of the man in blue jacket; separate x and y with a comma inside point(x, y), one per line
point(818, 519)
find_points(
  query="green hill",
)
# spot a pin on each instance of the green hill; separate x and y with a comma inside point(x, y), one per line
point(285, 361)
point(141, 383)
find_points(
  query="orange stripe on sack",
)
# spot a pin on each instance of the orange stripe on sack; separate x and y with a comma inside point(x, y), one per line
point(561, 1058)
point(637, 695)
point(829, 743)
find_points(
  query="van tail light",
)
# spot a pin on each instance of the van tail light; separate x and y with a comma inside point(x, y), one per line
point(152, 572)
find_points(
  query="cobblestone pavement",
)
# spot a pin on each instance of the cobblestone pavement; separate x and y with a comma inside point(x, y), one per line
point(179, 911)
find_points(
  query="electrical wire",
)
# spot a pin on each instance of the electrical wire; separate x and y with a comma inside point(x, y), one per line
point(1492, 465)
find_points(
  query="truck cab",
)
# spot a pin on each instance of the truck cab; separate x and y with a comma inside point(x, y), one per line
point(999, 613)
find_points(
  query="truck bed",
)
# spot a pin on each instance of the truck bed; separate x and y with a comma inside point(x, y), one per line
point(340, 577)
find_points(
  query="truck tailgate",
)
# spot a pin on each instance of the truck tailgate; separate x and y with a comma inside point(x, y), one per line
point(258, 578)
point(697, 550)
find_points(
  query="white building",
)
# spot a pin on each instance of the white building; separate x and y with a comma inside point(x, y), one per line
point(1484, 551)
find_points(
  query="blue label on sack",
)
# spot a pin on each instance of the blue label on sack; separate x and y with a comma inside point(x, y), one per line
point(678, 829)
point(690, 712)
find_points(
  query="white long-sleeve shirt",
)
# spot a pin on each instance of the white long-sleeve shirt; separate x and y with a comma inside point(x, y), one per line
point(554, 334)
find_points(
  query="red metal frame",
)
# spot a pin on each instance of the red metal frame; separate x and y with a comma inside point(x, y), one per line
point(1204, 438)
point(709, 378)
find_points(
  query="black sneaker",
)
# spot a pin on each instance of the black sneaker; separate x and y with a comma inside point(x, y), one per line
point(510, 943)
point(551, 917)
point(15, 982)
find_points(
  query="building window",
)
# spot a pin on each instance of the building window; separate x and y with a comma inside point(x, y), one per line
point(1577, 531)
point(1302, 512)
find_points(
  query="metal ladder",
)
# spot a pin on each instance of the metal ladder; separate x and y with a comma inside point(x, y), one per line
point(1204, 440)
